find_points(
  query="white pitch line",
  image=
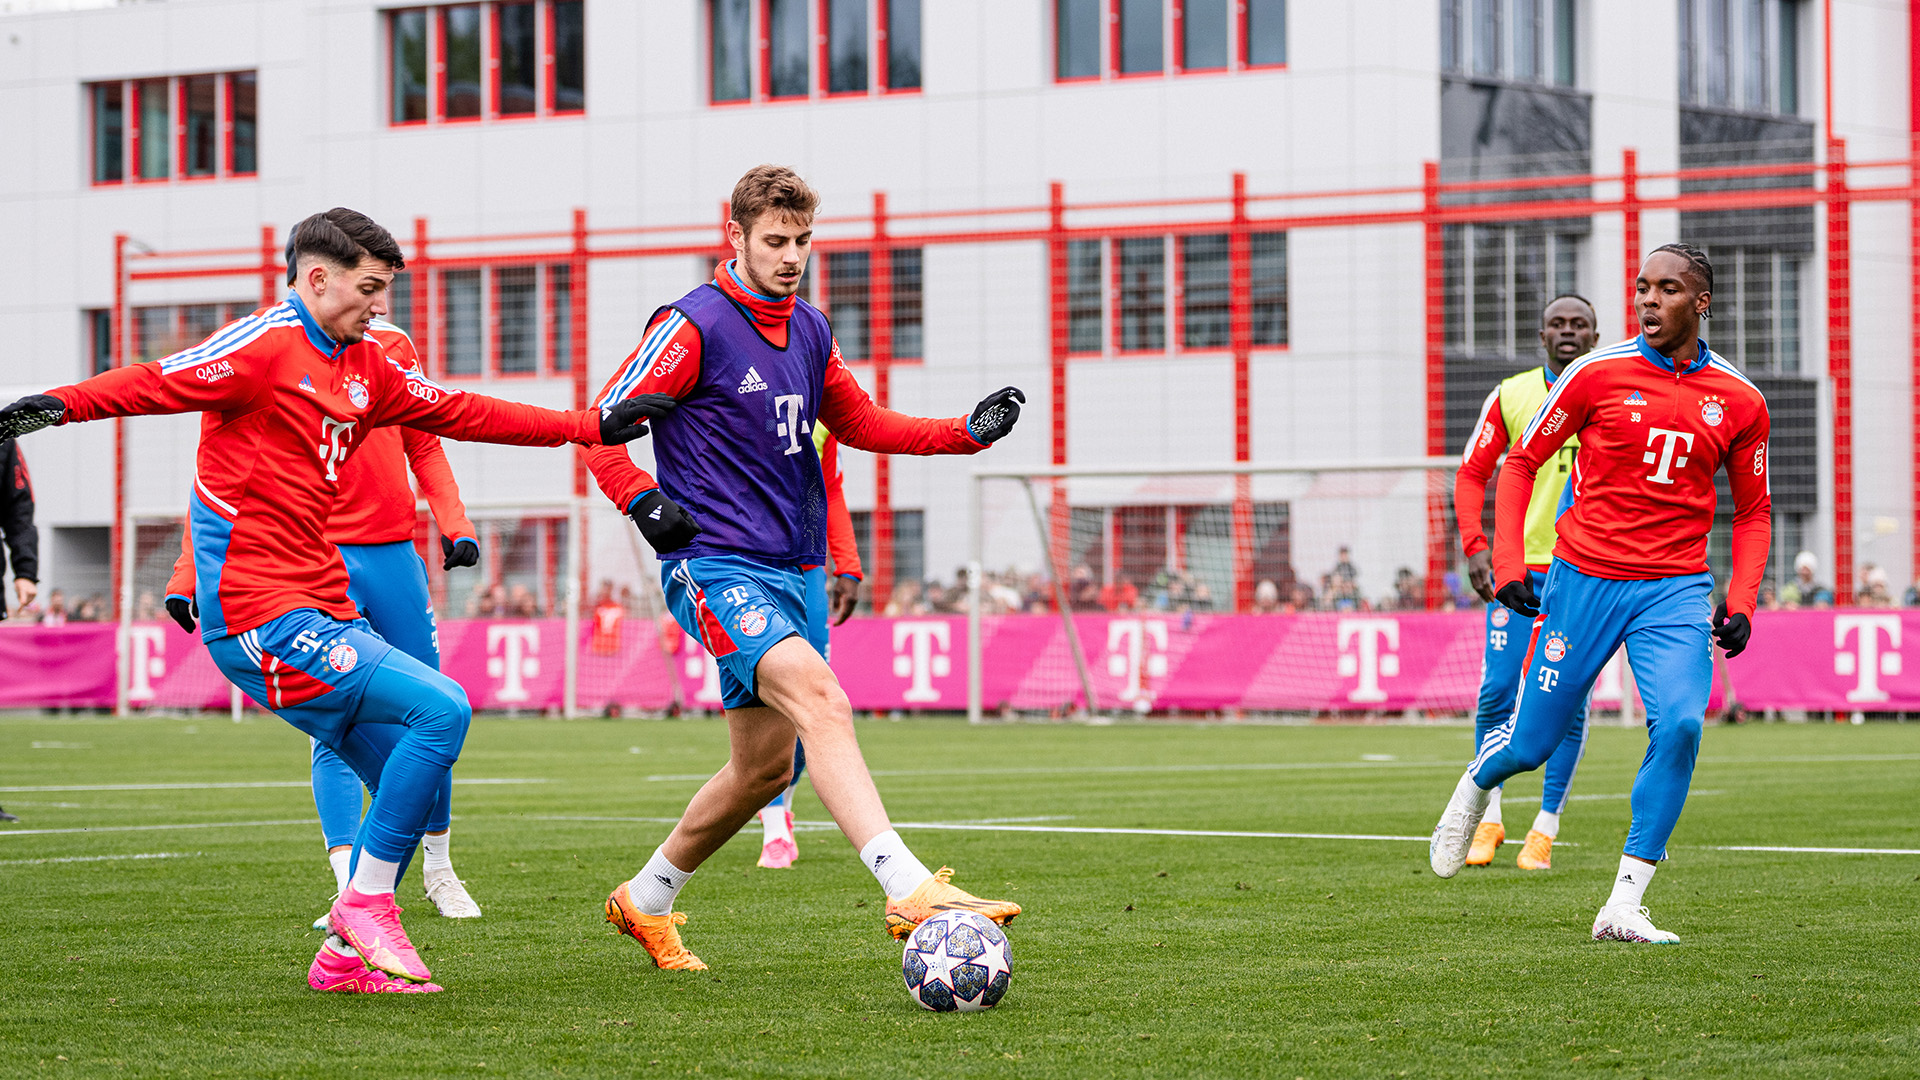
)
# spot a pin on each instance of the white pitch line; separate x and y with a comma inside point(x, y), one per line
point(1817, 850)
point(102, 858)
point(1610, 797)
point(235, 784)
point(1079, 770)
point(159, 828)
point(1231, 833)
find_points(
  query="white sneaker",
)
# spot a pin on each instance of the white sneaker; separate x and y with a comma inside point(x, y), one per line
point(1453, 836)
point(324, 923)
point(449, 895)
point(1622, 922)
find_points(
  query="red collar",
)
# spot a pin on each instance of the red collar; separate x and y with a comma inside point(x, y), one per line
point(771, 315)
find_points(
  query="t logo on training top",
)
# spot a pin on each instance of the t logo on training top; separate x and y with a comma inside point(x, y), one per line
point(338, 434)
point(1665, 461)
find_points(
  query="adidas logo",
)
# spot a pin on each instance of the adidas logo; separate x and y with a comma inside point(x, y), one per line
point(1634, 399)
point(656, 513)
point(880, 861)
point(306, 383)
point(752, 382)
point(664, 880)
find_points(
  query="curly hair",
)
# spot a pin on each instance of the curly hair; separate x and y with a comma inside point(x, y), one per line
point(1697, 262)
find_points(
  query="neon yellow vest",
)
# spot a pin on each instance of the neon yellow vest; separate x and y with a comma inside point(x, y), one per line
point(1520, 398)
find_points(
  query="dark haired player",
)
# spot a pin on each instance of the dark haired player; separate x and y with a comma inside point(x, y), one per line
point(1568, 329)
point(738, 517)
point(1657, 416)
point(291, 393)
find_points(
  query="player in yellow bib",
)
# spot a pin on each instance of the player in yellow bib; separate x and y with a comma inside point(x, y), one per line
point(1568, 331)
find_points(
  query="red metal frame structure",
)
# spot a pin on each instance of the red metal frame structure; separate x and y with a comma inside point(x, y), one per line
point(1237, 213)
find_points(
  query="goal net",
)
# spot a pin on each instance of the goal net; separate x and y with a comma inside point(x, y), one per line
point(1315, 589)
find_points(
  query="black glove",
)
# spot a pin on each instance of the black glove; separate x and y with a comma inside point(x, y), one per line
point(30, 413)
point(464, 553)
point(183, 611)
point(662, 522)
point(995, 415)
point(1731, 631)
point(625, 421)
point(1518, 595)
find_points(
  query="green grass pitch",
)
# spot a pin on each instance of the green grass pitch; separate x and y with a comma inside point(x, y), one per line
point(1147, 956)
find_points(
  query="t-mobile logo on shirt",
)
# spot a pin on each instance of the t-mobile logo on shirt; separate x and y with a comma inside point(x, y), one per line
point(1665, 461)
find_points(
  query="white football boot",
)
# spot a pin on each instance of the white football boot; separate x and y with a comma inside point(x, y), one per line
point(449, 895)
point(324, 923)
point(1453, 836)
point(1624, 922)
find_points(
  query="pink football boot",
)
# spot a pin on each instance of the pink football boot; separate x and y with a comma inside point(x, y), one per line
point(779, 854)
point(341, 974)
point(371, 924)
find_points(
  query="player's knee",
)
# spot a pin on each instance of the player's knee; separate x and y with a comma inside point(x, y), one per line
point(822, 703)
point(770, 777)
point(445, 715)
point(1679, 736)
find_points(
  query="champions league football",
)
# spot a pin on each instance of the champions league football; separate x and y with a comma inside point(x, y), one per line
point(957, 962)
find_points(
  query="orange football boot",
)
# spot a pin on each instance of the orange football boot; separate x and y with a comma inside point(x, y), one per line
point(1538, 854)
point(937, 895)
point(1486, 843)
point(659, 933)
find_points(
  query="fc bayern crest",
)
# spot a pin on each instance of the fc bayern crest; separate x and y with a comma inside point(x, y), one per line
point(1556, 649)
point(1500, 616)
point(342, 657)
point(1712, 412)
point(752, 623)
point(357, 393)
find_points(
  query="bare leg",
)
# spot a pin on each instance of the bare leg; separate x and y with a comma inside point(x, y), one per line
point(804, 695)
point(760, 760)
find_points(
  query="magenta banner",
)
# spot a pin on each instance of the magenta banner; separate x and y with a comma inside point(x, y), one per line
point(1359, 662)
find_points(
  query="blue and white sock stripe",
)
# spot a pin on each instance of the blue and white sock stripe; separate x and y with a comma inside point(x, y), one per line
point(230, 339)
point(651, 346)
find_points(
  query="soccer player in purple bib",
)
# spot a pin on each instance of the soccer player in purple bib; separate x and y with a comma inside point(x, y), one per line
point(738, 517)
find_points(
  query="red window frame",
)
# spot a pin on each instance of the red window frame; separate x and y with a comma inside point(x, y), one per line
point(1114, 17)
point(824, 8)
point(766, 62)
point(1235, 13)
point(1115, 313)
point(880, 68)
point(547, 79)
point(227, 169)
point(94, 90)
point(1053, 9)
point(181, 128)
point(393, 14)
point(1243, 50)
point(439, 66)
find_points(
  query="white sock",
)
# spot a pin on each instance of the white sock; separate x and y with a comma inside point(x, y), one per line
point(774, 820)
point(375, 876)
point(1492, 815)
point(1548, 823)
point(1472, 793)
point(898, 872)
point(1631, 884)
point(340, 858)
point(657, 884)
point(437, 851)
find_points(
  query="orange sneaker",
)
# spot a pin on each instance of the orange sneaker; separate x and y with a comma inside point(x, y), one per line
point(1538, 854)
point(659, 933)
point(937, 895)
point(1486, 843)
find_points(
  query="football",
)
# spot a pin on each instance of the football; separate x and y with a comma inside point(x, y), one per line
point(957, 961)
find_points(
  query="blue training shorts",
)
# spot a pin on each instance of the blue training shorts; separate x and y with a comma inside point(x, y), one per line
point(308, 667)
point(739, 608)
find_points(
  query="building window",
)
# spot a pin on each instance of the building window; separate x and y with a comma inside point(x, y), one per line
point(729, 35)
point(1076, 34)
point(1140, 310)
point(1756, 309)
point(1139, 36)
point(846, 46)
point(504, 321)
point(848, 276)
point(487, 61)
point(195, 127)
point(1267, 287)
point(785, 53)
point(1085, 292)
point(1264, 33)
point(909, 341)
point(1499, 279)
point(1206, 292)
point(1740, 54)
point(1202, 28)
point(165, 329)
point(900, 30)
point(99, 340)
point(1527, 41)
point(400, 301)
point(909, 549)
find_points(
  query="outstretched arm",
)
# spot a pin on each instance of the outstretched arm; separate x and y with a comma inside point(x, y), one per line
point(667, 361)
point(429, 463)
point(855, 420)
point(411, 399)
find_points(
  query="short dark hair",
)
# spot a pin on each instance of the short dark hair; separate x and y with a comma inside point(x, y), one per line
point(1572, 296)
point(771, 187)
point(1697, 262)
point(342, 237)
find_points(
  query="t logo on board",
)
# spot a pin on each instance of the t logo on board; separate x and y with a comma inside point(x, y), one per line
point(1367, 661)
point(148, 648)
point(1137, 651)
point(914, 657)
point(513, 656)
point(1866, 659)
